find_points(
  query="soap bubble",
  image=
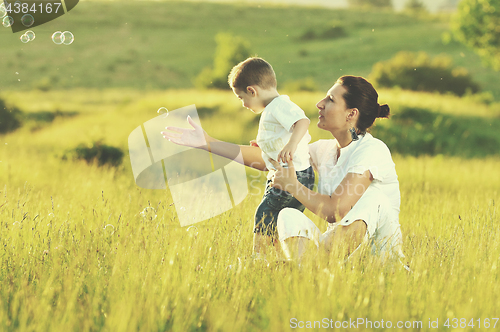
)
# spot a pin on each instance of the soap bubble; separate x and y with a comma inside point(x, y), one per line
point(149, 213)
point(109, 229)
point(27, 20)
point(67, 37)
point(30, 34)
point(7, 21)
point(57, 37)
point(192, 230)
point(3, 12)
point(24, 38)
point(163, 110)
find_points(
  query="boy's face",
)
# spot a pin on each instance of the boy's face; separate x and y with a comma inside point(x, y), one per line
point(249, 100)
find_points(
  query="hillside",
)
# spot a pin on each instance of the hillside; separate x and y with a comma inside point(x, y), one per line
point(163, 45)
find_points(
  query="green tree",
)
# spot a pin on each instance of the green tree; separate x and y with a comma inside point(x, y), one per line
point(370, 3)
point(477, 25)
point(230, 51)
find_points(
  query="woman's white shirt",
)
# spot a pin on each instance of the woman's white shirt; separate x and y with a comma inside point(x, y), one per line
point(366, 153)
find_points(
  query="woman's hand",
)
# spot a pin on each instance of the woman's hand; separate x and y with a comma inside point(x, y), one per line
point(284, 178)
point(195, 137)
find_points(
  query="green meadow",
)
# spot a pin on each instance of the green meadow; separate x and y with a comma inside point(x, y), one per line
point(165, 44)
point(77, 254)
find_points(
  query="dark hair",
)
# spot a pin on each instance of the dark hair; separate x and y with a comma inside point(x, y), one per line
point(252, 71)
point(360, 94)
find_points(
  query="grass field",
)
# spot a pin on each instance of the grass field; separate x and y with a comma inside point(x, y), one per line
point(78, 255)
point(165, 44)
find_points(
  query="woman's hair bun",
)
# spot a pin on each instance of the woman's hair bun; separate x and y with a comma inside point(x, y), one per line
point(383, 111)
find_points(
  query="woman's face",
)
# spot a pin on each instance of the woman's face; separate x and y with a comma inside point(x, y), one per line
point(333, 112)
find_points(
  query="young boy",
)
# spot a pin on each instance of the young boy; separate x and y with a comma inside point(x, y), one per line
point(282, 136)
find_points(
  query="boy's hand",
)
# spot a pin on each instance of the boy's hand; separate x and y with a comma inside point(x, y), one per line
point(286, 154)
point(195, 137)
point(254, 143)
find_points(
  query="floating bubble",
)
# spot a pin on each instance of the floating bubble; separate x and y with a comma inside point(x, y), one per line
point(57, 37)
point(109, 229)
point(67, 37)
point(24, 38)
point(7, 21)
point(3, 12)
point(149, 213)
point(192, 230)
point(163, 110)
point(30, 34)
point(27, 20)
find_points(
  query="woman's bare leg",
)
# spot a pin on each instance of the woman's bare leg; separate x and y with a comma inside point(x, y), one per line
point(296, 247)
point(343, 240)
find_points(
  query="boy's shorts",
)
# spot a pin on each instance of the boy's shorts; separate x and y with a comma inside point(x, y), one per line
point(275, 200)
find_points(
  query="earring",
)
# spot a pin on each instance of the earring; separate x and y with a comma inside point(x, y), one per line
point(354, 135)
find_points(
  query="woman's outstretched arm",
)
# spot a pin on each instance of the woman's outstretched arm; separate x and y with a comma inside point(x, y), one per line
point(331, 208)
point(198, 138)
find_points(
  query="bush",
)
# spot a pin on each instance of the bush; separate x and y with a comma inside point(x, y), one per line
point(96, 152)
point(335, 30)
point(418, 72)
point(9, 118)
point(418, 131)
point(230, 51)
point(415, 6)
point(370, 3)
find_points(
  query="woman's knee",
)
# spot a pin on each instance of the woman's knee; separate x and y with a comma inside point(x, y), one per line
point(287, 214)
point(347, 237)
point(293, 223)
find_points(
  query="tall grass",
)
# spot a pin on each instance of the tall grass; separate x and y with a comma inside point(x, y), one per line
point(78, 255)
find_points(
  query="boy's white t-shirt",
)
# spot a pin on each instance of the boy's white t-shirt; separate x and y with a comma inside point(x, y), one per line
point(275, 130)
point(367, 153)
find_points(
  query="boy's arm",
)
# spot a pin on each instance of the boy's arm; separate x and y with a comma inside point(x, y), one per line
point(299, 130)
point(198, 138)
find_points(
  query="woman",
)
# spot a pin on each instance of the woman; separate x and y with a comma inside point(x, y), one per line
point(358, 187)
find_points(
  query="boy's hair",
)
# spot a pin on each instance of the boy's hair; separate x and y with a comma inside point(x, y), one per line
point(252, 71)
